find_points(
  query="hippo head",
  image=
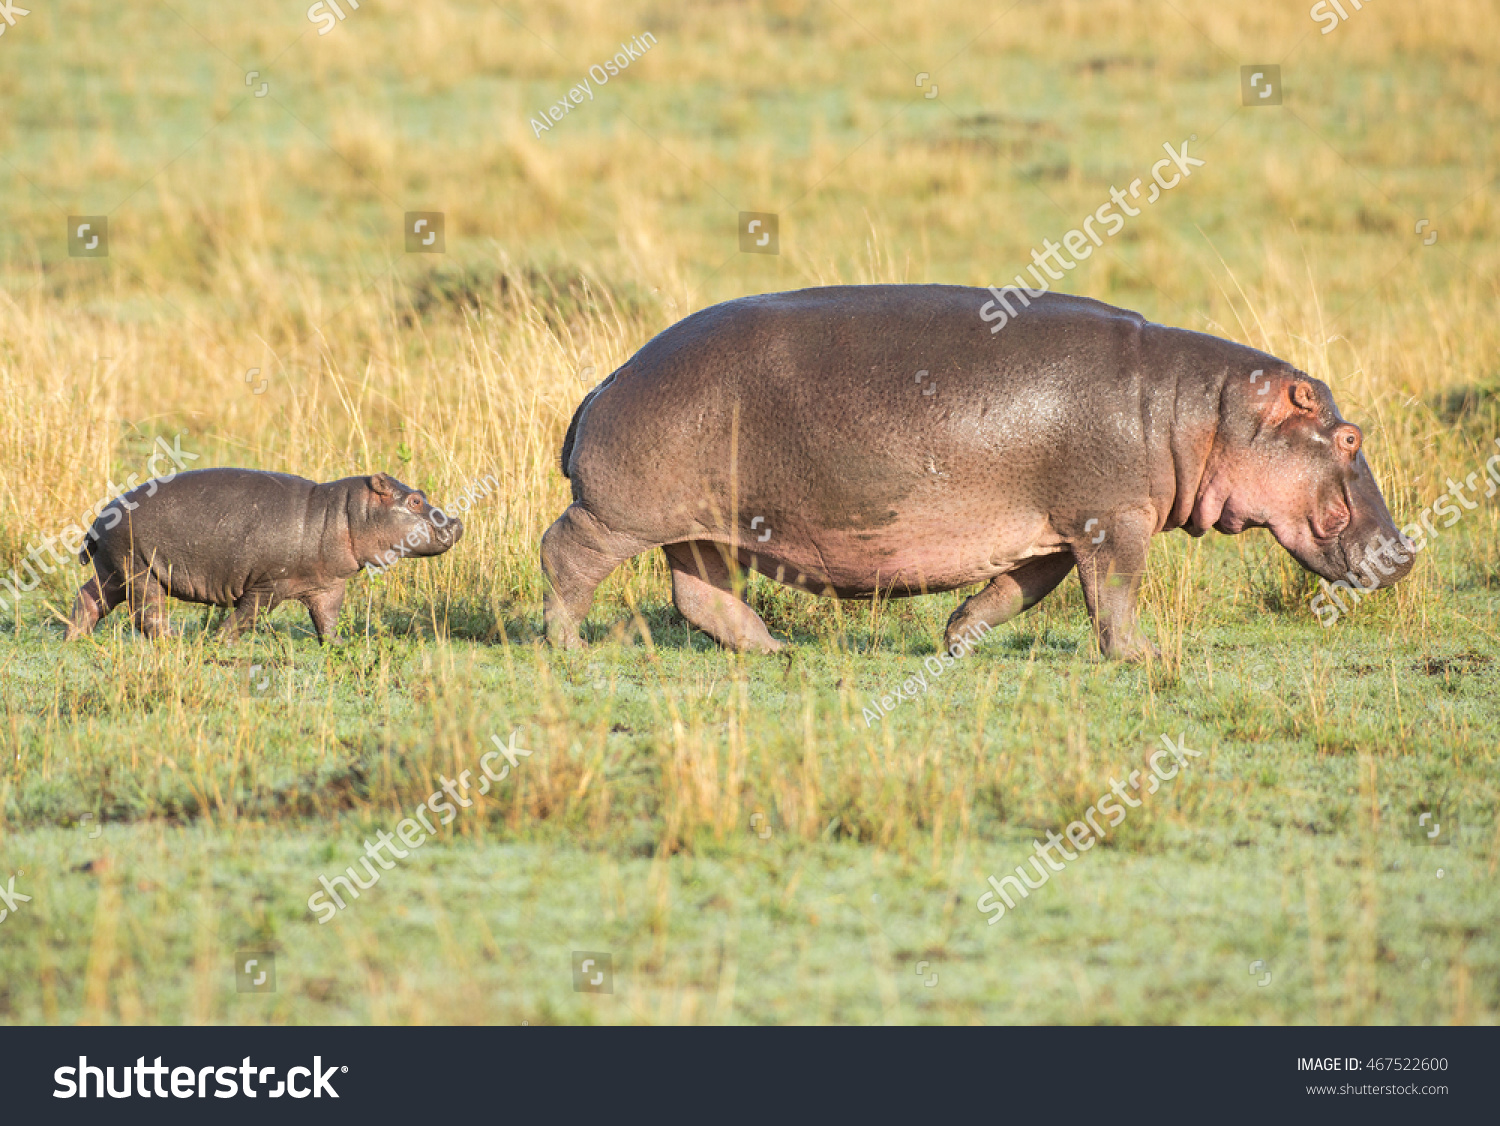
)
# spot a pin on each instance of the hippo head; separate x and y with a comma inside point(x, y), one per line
point(1286, 460)
point(395, 521)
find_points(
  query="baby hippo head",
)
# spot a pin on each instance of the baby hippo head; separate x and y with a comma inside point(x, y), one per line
point(389, 521)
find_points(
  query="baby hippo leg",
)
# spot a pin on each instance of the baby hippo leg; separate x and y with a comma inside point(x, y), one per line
point(148, 607)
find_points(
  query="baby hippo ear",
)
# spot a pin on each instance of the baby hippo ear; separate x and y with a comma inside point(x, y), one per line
point(381, 483)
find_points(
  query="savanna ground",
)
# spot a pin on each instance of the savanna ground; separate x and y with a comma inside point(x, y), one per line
point(166, 810)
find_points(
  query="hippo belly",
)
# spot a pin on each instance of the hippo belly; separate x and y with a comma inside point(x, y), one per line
point(913, 554)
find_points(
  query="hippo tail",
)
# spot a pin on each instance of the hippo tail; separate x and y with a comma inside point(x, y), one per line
point(572, 434)
point(101, 524)
point(567, 447)
point(90, 541)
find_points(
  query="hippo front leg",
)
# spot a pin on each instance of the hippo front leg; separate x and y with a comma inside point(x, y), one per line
point(323, 607)
point(1111, 571)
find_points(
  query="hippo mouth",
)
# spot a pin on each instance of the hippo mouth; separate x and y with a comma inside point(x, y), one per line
point(442, 537)
point(438, 539)
point(1373, 558)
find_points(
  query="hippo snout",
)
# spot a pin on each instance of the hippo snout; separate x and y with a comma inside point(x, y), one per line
point(436, 533)
point(446, 530)
point(1376, 553)
point(1379, 560)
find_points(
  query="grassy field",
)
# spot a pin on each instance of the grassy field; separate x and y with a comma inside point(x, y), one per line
point(730, 830)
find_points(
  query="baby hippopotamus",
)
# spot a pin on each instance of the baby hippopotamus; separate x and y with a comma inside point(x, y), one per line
point(250, 540)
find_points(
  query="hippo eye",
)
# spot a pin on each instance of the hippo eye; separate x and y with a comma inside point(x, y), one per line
point(414, 502)
point(1348, 439)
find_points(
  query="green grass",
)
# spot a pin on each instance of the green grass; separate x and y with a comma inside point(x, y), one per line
point(632, 829)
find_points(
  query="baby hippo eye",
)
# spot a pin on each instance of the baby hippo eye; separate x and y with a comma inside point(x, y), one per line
point(414, 502)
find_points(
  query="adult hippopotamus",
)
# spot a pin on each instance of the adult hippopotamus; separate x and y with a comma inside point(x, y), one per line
point(250, 540)
point(854, 439)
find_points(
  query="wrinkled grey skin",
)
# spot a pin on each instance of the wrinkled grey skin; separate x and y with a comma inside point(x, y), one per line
point(861, 438)
point(250, 540)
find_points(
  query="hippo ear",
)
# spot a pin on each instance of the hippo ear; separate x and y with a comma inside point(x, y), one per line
point(1304, 398)
point(381, 483)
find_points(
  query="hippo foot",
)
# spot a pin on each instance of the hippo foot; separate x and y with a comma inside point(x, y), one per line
point(759, 641)
point(766, 645)
point(560, 627)
point(1136, 650)
point(569, 642)
point(960, 638)
point(953, 644)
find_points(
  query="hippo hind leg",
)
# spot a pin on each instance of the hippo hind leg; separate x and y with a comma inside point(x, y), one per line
point(148, 606)
point(703, 591)
point(578, 552)
point(1006, 596)
point(242, 618)
point(94, 601)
